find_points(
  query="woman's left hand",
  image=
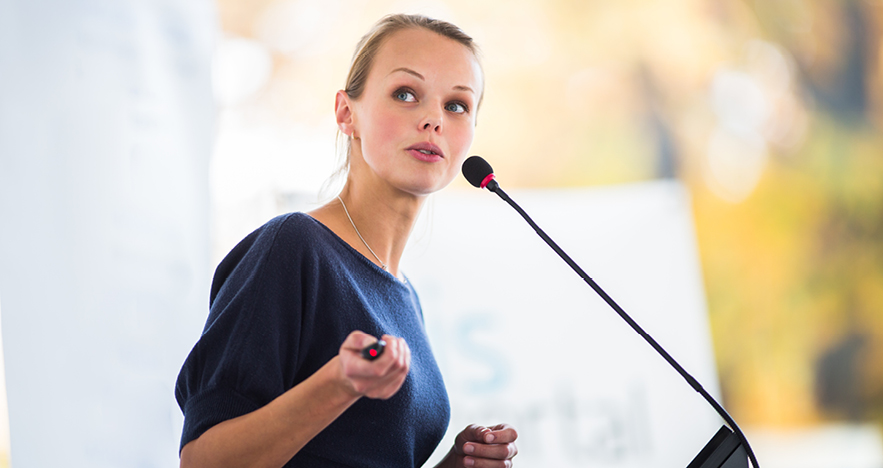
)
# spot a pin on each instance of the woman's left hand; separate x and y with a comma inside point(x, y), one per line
point(483, 447)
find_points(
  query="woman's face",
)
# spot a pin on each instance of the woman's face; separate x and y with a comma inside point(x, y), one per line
point(416, 117)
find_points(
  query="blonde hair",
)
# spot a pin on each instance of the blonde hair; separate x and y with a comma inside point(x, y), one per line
point(363, 60)
point(369, 45)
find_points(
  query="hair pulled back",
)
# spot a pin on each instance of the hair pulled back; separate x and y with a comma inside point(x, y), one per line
point(370, 44)
point(366, 51)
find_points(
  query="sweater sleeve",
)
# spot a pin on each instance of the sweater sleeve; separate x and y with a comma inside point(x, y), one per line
point(250, 343)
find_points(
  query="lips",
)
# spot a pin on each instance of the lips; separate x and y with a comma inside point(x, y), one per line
point(426, 151)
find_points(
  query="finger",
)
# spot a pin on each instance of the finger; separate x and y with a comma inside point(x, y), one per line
point(404, 356)
point(485, 463)
point(389, 386)
point(392, 370)
point(408, 355)
point(388, 360)
point(472, 433)
point(393, 351)
point(357, 340)
point(378, 369)
point(358, 368)
point(490, 451)
point(503, 434)
point(400, 360)
point(397, 355)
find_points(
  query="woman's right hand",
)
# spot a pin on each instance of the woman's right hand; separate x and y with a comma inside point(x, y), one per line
point(380, 378)
point(272, 434)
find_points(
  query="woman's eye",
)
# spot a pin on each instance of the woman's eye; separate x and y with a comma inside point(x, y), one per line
point(405, 96)
point(456, 107)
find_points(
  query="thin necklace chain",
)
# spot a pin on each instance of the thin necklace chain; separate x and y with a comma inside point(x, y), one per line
point(382, 265)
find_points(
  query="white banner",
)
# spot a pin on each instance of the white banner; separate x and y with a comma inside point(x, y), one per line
point(522, 339)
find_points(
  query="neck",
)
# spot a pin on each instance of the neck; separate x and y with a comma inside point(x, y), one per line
point(384, 218)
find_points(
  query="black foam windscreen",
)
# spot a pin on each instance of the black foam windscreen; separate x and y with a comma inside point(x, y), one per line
point(476, 169)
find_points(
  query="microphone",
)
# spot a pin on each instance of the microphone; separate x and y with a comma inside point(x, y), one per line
point(479, 173)
point(727, 448)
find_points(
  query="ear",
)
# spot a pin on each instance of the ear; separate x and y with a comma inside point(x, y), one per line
point(344, 112)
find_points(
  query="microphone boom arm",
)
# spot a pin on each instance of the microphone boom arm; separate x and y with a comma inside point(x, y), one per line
point(493, 186)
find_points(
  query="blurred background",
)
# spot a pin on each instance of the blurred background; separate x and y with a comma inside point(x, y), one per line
point(770, 113)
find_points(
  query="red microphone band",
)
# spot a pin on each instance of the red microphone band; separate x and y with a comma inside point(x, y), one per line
point(487, 180)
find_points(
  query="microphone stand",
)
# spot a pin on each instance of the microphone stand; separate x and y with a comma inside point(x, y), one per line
point(726, 449)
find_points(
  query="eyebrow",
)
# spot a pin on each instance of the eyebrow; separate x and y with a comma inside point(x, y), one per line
point(414, 73)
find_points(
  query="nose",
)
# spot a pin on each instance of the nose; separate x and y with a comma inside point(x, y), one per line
point(432, 121)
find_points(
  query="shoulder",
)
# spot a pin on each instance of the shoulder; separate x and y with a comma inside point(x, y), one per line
point(282, 232)
point(295, 226)
point(286, 239)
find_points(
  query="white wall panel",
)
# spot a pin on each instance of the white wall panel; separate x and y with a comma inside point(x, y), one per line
point(106, 123)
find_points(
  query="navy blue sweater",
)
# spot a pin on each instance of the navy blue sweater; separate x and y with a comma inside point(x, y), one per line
point(282, 302)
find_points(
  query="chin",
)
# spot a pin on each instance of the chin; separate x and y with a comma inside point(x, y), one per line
point(427, 185)
point(424, 189)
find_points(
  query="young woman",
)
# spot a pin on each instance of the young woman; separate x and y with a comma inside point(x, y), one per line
point(277, 378)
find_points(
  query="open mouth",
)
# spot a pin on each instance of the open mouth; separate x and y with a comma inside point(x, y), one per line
point(427, 149)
